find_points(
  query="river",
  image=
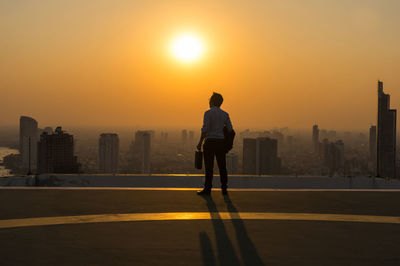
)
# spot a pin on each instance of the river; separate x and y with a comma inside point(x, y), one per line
point(4, 151)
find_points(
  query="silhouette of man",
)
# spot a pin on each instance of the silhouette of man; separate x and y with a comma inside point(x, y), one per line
point(212, 132)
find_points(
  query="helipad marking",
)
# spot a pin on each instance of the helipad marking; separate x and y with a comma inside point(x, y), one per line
point(178, 216)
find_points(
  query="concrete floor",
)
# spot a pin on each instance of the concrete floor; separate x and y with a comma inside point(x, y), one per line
point(199, 242)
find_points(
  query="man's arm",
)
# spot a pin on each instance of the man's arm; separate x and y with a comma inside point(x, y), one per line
point(203, 131)
point(202, 137)
point(228, 123)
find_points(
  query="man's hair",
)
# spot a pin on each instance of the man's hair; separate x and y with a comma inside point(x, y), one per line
point(216, 99)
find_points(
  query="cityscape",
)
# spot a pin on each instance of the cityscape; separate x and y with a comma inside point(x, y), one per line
point(280, 151)
point(204, 133)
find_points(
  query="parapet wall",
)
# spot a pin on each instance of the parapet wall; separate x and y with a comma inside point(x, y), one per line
point(196, 181)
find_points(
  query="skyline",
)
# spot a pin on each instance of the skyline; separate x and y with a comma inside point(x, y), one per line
point(276, 64)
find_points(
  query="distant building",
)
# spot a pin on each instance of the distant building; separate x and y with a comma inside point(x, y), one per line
point(372, 146)
point(142, 150)
point(163, 137)
point(249, 156)
point(332, 135)
point(28, 138)
point(267, 160)
point(335, 157)
point(108, 153)
point(184, 136)
point(315, 138)
point(191, 137)
point(260, 156)
point(323, 134)
point(49, 130)
point(325, 151)
point(232, 161)
point(56, 153)
point(386, 136)
point(289, 141)
point(280, 138)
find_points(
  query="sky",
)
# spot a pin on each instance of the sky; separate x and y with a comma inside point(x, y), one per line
point(277, 63)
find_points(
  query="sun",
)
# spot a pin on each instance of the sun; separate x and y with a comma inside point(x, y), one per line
point(187, 48)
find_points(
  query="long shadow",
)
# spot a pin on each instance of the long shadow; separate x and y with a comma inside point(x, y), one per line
point(206, 249)
point(248, 251)
point(225, 250)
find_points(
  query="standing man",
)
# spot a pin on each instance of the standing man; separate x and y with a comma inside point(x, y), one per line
point(212, 131)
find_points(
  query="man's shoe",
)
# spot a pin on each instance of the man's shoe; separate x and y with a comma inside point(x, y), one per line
point(224, 191)
point(203, 192)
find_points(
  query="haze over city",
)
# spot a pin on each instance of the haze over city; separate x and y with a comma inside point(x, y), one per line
point(213, 132)
point(277, 63)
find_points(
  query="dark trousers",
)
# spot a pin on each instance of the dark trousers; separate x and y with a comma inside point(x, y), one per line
point(211, 148)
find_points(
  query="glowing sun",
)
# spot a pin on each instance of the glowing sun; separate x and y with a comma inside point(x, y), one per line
point(187, 48)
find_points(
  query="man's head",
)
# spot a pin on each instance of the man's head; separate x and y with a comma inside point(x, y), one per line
point(216, 100)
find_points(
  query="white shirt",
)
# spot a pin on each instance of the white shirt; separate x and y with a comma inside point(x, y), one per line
point(214, 121)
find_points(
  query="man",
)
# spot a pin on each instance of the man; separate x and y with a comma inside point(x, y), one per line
point(212, 132)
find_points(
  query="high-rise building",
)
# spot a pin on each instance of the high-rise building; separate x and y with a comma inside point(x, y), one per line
point(142, 150)
point(386, 136)
point(232, 161)
point(260, 156)
point(372, 144)
point(280, 138)
point(249, 156)
point(108, 153)
point(325, 151)
point(335, 157)
point(56, 153)
point(267, 160)
point(28, 138)
point(315, 138)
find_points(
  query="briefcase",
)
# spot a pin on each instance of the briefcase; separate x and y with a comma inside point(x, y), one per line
point(198, 159)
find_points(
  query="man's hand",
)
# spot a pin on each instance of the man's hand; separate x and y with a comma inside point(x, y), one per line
point(202, 137)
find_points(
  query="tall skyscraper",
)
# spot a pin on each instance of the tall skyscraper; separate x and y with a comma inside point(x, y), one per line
point(28, 138)
point(386, 136)
point(142, 150)
point(108, 153)
point(260, 156)
point(56, 153)
point(232, 163)
point(315, 138)
point(372, 145)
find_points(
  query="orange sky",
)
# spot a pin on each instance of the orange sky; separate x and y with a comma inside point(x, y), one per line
point(277, 63)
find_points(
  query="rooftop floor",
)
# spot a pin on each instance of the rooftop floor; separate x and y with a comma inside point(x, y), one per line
point(79, 226)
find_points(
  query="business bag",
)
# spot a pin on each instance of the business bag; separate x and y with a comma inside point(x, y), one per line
point(198, 159)
point(229, 137)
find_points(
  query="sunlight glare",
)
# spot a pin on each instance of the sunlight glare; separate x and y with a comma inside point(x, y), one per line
point(187, 48)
